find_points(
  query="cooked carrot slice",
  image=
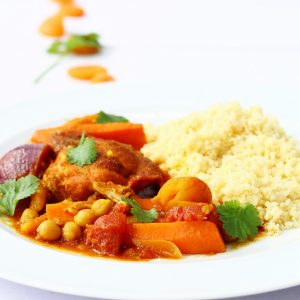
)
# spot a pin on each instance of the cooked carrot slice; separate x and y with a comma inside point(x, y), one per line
point(144, 203)
point(53, 26)
point(127, 133)
point(58, 213)
point(43, 136)
point(191, 237)
point(30, 227)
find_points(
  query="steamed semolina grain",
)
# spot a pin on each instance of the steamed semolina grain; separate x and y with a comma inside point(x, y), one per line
point(241, 153)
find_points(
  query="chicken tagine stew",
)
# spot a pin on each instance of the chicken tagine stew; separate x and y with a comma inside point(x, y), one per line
point(86, 187)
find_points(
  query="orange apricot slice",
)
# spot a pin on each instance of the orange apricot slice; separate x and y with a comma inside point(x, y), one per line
point(181, 189)
point(63, 2)
point(101, 77)
point(70, 10)
point(52, 26)
point(86, 72)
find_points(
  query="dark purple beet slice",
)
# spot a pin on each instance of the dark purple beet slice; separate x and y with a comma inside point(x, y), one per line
point(23, 160)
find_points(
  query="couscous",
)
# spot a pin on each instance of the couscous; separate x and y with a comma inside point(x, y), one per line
point(241, 153)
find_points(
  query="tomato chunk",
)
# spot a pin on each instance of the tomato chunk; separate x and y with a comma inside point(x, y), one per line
point(195, 212)
point(107, 234)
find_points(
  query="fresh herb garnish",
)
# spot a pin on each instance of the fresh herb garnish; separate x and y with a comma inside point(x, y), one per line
point(103, 117)
point(74, 43)
point(83, 154)
point(12, 191)
point(239, 221)
point(141, 215)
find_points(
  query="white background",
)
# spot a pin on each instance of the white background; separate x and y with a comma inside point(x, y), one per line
point(216, 44)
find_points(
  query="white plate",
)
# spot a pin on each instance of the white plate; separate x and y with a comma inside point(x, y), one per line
point(269, 264)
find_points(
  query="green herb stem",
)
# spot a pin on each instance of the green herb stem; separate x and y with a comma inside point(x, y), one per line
point(51, 67)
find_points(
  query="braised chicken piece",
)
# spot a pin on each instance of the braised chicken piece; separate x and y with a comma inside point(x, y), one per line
point(116, 162)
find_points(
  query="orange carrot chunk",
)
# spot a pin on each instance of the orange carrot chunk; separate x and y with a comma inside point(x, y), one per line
point(126, 133)
point(58, 212)
point(191, 237)
point(53, 26)
point(30, 227)
point(145, 203)
point(43, 135)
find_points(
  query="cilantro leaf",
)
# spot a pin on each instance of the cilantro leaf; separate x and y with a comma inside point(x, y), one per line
point(26, 186)
point(141, 215)
point(144, 216)
point(84, 154)
point(103, 117)
point(74, 43)
point(12, 191)
point(239, 221)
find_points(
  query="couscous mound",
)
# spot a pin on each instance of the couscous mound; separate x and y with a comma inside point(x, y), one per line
point(242, 155)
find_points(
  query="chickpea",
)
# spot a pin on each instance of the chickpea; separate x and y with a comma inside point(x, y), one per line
point(49, 231)
point(28, 214)
point(71, 231)
point(101, 207)
point(39, 199)
point(84, 217)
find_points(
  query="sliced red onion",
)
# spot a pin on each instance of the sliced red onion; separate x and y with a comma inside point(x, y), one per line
point(23, 160)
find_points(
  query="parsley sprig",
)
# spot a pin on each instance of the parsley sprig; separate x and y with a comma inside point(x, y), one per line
point(83, 154)
point(239, 221)
point(104, 117)
point(12, 191)
point(141, 215)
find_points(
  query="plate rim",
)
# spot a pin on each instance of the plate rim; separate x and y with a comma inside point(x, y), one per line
point(47, 286)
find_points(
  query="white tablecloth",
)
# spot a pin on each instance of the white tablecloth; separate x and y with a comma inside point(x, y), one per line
point(233, 43)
